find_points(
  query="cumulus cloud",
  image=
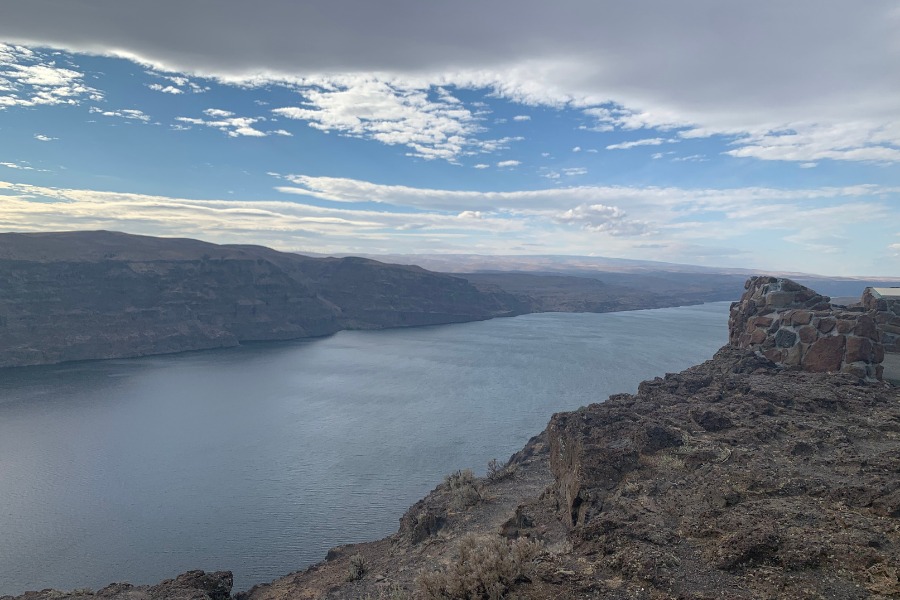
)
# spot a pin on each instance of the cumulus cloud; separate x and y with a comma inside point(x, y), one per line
point(503, 164)
point(603, 218)
point(31, 78)
point(165, 89)
point(521, 118)
point(482, 166)
point(177, 84)
point(44, 138)
point(427, 119)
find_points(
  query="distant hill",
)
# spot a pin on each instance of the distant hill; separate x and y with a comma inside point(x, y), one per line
point(87, 295)
point(668, 279)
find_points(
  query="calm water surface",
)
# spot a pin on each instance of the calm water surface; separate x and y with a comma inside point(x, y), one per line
point(259, 459)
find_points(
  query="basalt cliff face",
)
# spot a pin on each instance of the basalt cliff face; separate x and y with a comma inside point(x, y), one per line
point(737, 478)
point(88, 295)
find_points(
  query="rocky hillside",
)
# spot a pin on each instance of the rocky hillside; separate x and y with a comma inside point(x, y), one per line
point(87, 295)
point(733, 479)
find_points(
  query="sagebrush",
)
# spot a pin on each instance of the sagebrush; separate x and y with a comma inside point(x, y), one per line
point(486, 568)
point(464, 489)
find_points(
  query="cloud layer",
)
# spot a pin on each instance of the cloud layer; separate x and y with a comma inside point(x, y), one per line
point(806, 81)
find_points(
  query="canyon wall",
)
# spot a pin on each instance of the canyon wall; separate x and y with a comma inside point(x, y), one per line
point(89, 295)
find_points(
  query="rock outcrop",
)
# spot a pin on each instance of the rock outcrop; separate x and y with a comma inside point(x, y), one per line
point(193, 585)
point(793, 326)
point(88, 295)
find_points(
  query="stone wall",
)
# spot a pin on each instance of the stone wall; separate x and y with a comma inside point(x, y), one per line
point(794, 326)
point(886, 312)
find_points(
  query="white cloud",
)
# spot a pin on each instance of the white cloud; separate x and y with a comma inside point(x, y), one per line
point(521, 118)
point(44, 138)
point(179, 84)
point(218, 113)
point(124, 113)
point(691, 158)
point(276, 223)
point(21, 166)
point(508, 163)
point(768, 206)
point(574, 171)
point(602, 218)
point(432, 125)
point(12, 165)
point(636, 143)
point(29, 78)
point(859, 140)
point(482, 166)
point(227, 122)
point(165, 89)
point(576, 149)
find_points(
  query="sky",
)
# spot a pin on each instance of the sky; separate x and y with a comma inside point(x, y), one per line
point(760, 135)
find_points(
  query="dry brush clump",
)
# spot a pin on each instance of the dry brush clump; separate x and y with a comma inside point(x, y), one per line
point(486, 569)
point(497, 471)
point(464, 489)
point(356, 568)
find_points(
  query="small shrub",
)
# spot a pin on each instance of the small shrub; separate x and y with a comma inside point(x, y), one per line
point(394, 592)
point(496, 471)
point(464, 489)
point(356, 568)
point(486, 568)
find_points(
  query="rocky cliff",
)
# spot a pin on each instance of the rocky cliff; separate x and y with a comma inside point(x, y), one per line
point(86, 295)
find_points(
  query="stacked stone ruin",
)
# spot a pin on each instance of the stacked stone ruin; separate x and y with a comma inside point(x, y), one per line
point(886, 312)
point(795, 327)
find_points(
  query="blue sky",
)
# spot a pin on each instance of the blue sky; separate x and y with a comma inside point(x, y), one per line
point(763, 136)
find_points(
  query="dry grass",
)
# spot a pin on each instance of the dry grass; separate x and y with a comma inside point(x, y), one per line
point(486, 568)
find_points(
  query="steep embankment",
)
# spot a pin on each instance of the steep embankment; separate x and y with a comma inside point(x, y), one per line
point(87, 295)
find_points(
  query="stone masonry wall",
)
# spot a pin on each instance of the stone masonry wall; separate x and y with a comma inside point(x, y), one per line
point(886, 312)
point(794, 326)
